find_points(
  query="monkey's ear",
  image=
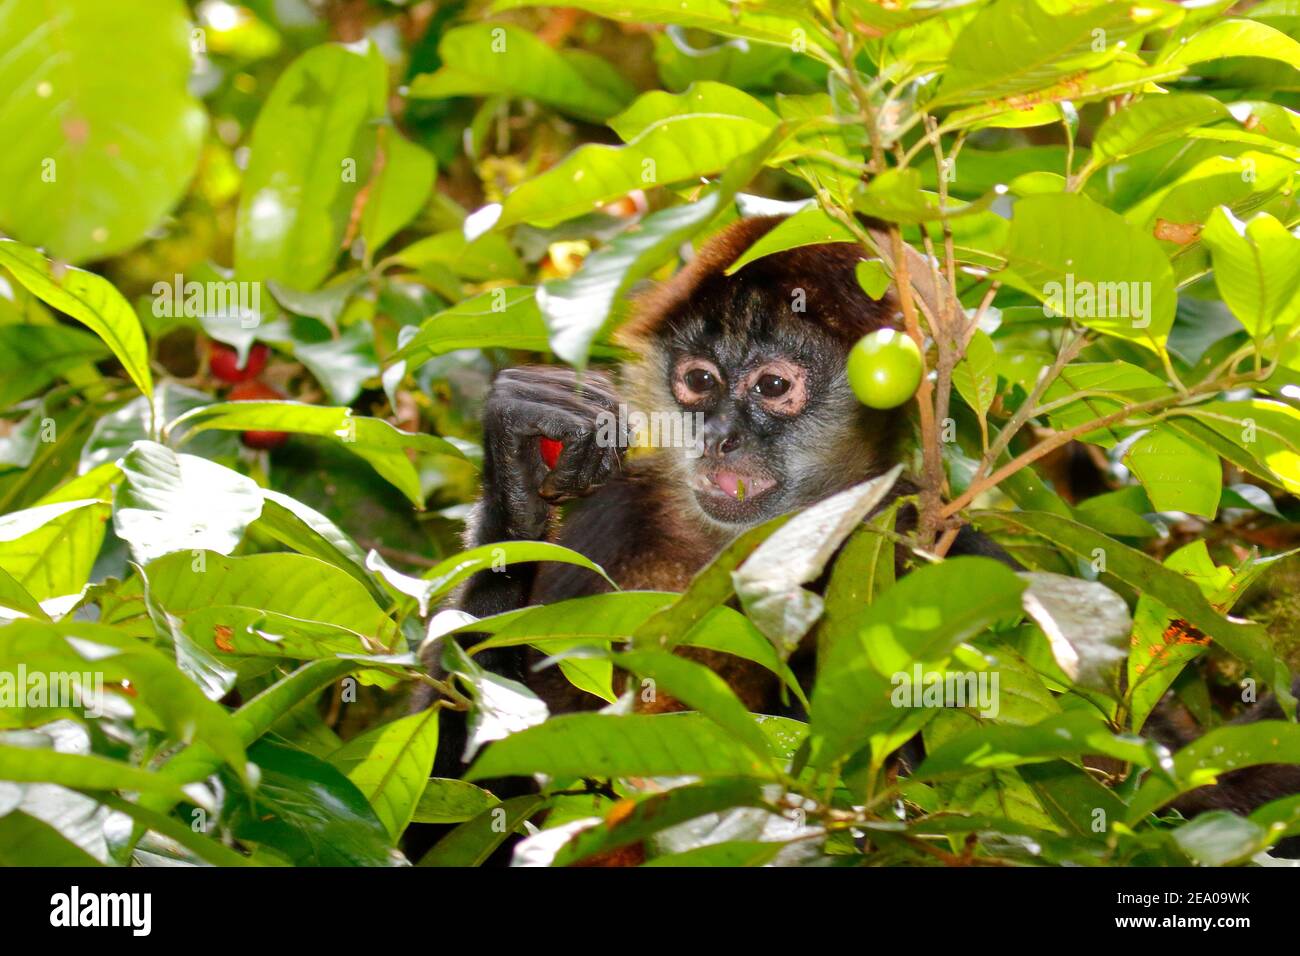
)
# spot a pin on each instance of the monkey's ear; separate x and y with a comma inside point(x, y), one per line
point(654, 310)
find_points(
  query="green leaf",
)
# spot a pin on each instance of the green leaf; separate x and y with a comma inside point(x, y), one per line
point(471, 843)
point(197, 663)
point(1122, 287)
point(390, 764)
point(786, 28)
point(251, 721)
point(1256, 268)
point(805, 228)
point(172, 502)
point(734, 62)
point(26, 841)
point(498, 59)
point(326, 304)
point(1266, 431)
point(976, 375)
point(715, 100)
point(51, 548)
point(83, 174)
point(309, 532)
point(86, 771)
point(920, 620)
point(1100, 388)
point(1137, 570)
point(449, 572)
point(731, 853)
point(1279, 817)
point(307, 810)
point(506, 318)
point(864, 569)
point(601, 745)
point(577, 309)
point(1117, 77)
point(1229, 38)
point(710, 587)
point(896, 196)
point(447, 800)
point(1153, 121)
point(658, 812)
point(161, 695)
point(140, 418)
point(342, 364)
point(1163, 643)
point(770, 583)
point(700, 689)
point(601, 619)
point(1220, 751)
point(373, 439)
point(1220, 837)
point(32, 356)
point(873, 277)
point(490, 256)
point(310, 155)
point(594, 619)
point(275, 604)
point(501, 706)
point(1179, 474)
point(398, 191)
point(1070, 735)
point(88, 298)
point(667, 145)
point(15, 597)
point(1017, 46)
point(198, 843)
point(1071, 796)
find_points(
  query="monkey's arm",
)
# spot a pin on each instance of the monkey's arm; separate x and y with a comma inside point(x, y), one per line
point(519, 491)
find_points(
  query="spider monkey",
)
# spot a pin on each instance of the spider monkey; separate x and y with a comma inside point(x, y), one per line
point(761, 354)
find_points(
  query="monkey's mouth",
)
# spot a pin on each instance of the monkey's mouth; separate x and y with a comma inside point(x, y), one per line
point(726, 493)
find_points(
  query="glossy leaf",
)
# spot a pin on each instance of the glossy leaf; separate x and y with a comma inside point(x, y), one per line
point(490, 59)
point(83, 176)
point(90, 299)
point(309, 158)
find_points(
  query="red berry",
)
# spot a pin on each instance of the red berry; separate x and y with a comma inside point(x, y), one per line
point(259, 392)
point(255, 392)
point(266, 440)
point(551, 451)
point(223, 361)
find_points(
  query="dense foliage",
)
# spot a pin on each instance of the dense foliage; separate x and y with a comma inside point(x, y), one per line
point(374, 205)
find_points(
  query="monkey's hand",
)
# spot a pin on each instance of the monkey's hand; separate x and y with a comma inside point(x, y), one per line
point(526, 405)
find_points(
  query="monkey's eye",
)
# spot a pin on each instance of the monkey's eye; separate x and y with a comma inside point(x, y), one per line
point(772, 386)
point(699, 380)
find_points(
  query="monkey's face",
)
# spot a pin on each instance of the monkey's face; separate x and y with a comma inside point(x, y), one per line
point(780, 425)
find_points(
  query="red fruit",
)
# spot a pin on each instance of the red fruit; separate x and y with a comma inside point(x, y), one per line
point(266, 440)
point(551, 451)
point(259, 392)
point(255, 392)
point(223, 361)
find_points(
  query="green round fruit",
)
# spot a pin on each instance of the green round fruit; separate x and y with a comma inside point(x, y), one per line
point(885, 368)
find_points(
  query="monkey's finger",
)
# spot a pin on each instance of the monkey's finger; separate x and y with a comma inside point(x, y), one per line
point(575, 470)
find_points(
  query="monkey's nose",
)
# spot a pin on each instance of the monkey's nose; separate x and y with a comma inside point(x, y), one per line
point(721, 443)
